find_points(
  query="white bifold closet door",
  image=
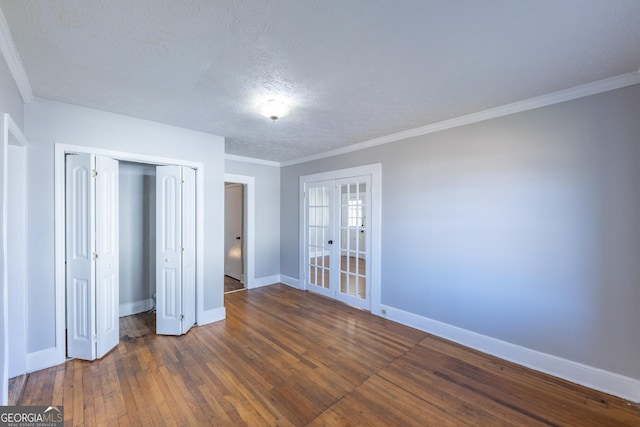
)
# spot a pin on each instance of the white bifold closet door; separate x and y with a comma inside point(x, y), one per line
point(175, 249)
point(92, 277)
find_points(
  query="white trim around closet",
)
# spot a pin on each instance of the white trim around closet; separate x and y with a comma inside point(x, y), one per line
point(59, 190)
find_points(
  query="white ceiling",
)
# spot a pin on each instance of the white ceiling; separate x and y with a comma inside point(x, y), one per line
point(352, 70)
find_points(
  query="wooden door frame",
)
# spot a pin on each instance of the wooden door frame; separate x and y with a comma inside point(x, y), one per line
point(59, 233)
point(375, 171)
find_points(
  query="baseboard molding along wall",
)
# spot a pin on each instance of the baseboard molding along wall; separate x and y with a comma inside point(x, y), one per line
point(42, 359)
point(135, 307)
point(210, 316)
point(290, 281)
point(259, 282)
point(595, 378)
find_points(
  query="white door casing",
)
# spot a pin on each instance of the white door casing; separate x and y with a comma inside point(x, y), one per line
point(57, 354)
point(189, 237)
point(175, 249)
point(16, 260)
point(233, 216)
point(92, 255)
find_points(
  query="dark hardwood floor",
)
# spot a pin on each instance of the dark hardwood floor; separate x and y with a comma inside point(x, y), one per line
point(232, 285)
point(290, 358)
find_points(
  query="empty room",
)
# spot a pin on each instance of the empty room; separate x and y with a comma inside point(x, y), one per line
point(323, 213)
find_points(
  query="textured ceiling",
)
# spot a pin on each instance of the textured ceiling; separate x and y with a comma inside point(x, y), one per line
point(351, 70)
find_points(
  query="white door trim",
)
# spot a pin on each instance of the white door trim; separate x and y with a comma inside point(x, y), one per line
point(12, 135)
point(59, 221)
point(375, 171)
point(249, 225)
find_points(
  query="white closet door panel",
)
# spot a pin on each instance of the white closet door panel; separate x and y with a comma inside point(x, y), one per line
point(107, 261)
point(80, 272)
point(189, 248)
point(168, 249)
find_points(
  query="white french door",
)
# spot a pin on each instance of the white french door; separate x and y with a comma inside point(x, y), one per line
point(92, 274)
point(175, 249)
point(319, 237)
point(338, 251)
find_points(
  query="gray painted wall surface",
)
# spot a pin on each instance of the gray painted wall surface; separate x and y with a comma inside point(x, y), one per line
point(523, 228)
point(137, 232)
point(267, 238)
point(49, 122)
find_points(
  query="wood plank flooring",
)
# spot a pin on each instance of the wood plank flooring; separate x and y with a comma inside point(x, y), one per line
point(291, 358)
point(232, 285)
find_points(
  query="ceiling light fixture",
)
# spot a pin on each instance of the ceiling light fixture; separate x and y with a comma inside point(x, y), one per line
point(273, 109)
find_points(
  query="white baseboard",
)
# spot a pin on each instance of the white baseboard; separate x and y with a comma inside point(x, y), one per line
point(42, 359)
point(135, 307)
point(210, 316)
point(598, 379)
point(259, 282)
point(290, 281)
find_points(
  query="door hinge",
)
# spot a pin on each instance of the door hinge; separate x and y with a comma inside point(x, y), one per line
point(94, 256)
point(182, 249)
point(182, 317)
point(94, 173)
point(182, 181)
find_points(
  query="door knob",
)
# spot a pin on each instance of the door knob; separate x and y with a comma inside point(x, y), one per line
point(238, 238)
point(330, 242)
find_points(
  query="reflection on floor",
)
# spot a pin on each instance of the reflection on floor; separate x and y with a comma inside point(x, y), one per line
point(137, 325)
point(352, 272)
point(232, 285)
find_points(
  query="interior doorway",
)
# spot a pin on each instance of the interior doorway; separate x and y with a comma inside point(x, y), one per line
point(157, 203)
point(234, 237)
point(340, 235)
point(247, 218)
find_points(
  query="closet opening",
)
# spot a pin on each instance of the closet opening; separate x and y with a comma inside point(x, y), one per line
point(137, 215)
point(133, 260)
point(234, 237)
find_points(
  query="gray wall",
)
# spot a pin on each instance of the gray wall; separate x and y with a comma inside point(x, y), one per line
point(137, 232)
point(522, 228)
point(49, 122)
point(267, 238)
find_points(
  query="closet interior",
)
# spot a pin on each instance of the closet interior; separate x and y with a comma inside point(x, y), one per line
point(137, 214)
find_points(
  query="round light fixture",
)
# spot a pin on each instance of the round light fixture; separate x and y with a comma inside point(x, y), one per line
point(273, 109)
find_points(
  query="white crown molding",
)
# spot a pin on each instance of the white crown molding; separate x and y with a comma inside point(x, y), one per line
point(581, 91)
point(251, 160)
point(14, 63)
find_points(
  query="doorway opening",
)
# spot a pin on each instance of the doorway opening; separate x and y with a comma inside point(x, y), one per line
point(340, 235)
point(137, 232)
point(89, 240)
point(240, 211)
point(234, 237)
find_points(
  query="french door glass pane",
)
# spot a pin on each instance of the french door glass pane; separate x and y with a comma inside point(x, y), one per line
point(318, 228)
point(352, 224)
